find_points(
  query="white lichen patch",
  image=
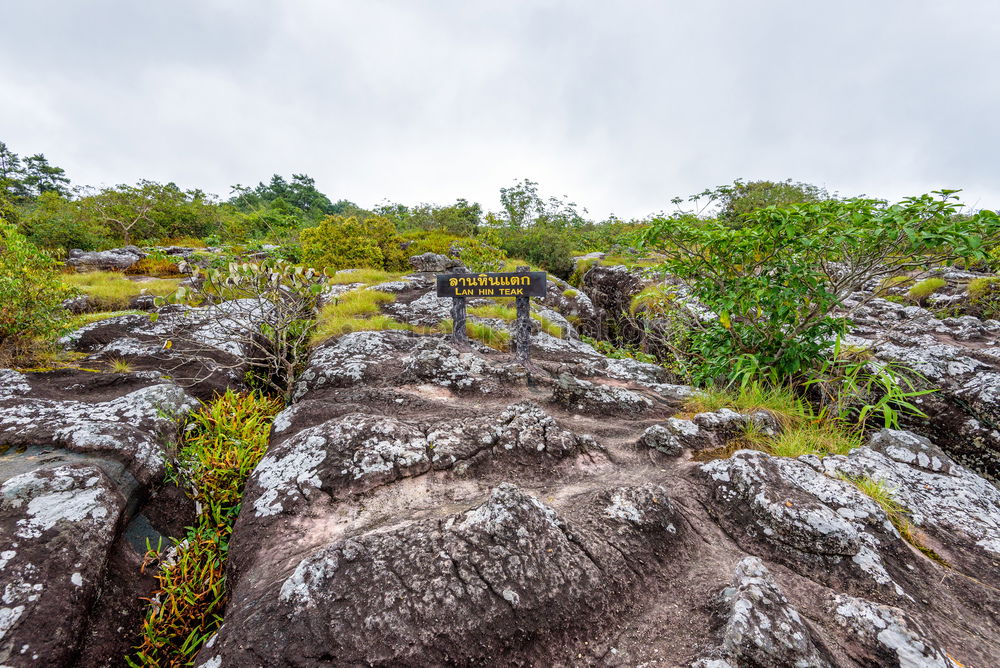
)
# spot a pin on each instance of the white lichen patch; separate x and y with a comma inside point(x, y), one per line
point(290, 473)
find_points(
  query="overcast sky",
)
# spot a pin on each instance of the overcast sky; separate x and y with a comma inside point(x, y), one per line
point(619, 105)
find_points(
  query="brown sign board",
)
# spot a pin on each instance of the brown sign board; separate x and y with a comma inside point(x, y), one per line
point(506, 284)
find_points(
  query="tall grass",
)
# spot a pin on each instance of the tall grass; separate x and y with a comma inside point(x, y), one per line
point(354, 311)
point(110, 290)
point(224, 441)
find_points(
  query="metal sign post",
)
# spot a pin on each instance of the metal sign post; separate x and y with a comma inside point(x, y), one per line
point(522, 285)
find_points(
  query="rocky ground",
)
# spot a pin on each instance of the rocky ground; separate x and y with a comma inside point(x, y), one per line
point(423, 504)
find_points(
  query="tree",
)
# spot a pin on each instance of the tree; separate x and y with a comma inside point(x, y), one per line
point(124, 208)
point(300, 193)
point(41, 177)
point(52, 221)
point(30, 291)
point(742, 198)
point(270, 314)
point(460, 219)
point(150, 210)
point(11, 175)
point(523, 206)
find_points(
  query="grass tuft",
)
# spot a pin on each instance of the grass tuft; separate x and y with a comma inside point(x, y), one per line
point(154, 266)
point(549, 327)
point(119, 365)
point(925, 288)
point(75, 322)
point(898, 514)
point(365, 275)
point(780, 402)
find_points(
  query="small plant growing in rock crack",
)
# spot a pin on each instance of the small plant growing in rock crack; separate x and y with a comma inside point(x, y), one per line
point(222, 444)
point(853, 389)
point(885, 497)
point(271, 313)
point(119, 365)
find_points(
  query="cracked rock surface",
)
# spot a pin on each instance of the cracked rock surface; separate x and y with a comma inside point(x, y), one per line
point(425, 505)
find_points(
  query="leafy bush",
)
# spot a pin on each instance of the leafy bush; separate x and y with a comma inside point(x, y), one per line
point(480, 257)
point(548, 247)
point(433, 241)
point(31, 293)
point(53, 221)
point(148, 211)
point(271, 316)
point(772, 283)
point(459, 219)
point(341, 243)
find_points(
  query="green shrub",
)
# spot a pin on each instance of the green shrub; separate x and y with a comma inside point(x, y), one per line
point(429, 241)
point(53, 221)
point(775, 280)
point(548, 247)
point(480, 257)
point(925, 288)
point(31, 294)
point(342, 243)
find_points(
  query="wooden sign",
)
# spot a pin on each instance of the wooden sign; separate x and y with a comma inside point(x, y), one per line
point(521, 284)
point(505, 284)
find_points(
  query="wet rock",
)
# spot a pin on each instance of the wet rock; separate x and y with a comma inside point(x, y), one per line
point(761, 628)
point(583, 395)
point(434, 263)
point(129, 427)
point(116, 259)
point(56, 528)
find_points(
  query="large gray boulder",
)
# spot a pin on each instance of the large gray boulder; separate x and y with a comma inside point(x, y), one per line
point(434, 263)
point(82, 465)
point(116, 259)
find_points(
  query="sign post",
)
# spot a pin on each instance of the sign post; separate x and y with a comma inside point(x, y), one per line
point(522, 285)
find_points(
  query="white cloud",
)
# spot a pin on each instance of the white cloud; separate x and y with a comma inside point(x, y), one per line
point(618, 105)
